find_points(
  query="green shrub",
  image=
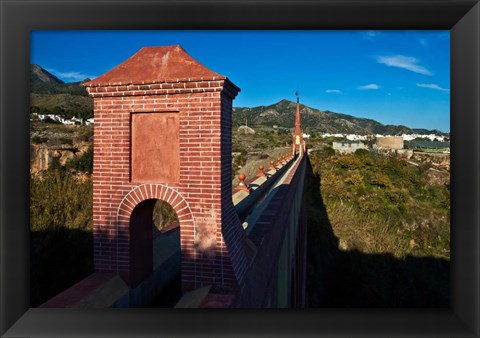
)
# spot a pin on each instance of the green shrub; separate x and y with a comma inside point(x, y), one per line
point(38, 140)
point(362, 152)
point(329, 151)
point(68, 141)
point(356, 180)
point(380, 180)
point(82, 163)
point(350, 162)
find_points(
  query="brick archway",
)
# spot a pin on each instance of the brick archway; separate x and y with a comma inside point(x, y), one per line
point(136, 197)
point(153, 191)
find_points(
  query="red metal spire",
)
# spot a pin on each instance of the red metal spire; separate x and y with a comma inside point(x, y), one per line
point(298, 132)
point(298, 129)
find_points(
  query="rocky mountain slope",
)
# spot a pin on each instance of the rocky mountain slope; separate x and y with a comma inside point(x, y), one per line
point(50, 95)
point(43, 82)
point(282, 114)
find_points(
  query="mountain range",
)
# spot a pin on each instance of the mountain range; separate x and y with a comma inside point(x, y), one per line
point(282, 114)
point(50, 94)
point(43, 82)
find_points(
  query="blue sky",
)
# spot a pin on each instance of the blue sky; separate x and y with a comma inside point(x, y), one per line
point(394, 77)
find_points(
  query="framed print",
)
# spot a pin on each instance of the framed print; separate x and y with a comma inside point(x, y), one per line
point(20, 19)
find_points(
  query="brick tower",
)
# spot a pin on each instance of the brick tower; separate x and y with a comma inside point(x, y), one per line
point(163, 125)
point(298, 143)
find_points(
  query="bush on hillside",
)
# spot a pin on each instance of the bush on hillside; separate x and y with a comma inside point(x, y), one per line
point(82, 163)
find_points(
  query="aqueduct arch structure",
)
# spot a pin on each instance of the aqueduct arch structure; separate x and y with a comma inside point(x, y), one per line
point(163, 131)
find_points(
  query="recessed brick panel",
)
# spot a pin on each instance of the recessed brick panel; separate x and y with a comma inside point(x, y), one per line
point(155, 150)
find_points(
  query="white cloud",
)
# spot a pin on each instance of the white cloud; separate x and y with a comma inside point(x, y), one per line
point(370, 35)
point(333, 91)
point(371, 86)
point(71, 76)
point(405, 62)
point(432, 86)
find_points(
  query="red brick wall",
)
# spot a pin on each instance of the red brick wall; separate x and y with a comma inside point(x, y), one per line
point(210, 231)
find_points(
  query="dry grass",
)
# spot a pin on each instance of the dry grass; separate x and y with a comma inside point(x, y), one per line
point(366, 233)
point(372, 258)
point(61, 237)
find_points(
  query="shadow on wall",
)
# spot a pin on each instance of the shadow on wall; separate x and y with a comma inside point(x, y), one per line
point(354, 279)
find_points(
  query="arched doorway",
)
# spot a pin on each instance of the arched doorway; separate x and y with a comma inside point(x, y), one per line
point(155, 251)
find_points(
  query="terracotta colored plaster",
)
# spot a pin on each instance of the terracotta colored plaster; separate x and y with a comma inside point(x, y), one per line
point(155, 148)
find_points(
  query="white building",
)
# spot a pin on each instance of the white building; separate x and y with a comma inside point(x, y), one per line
point(57, 118)
point(355, 137)
point(348, 147)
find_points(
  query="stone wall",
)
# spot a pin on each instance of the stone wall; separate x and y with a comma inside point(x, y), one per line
point(390, 142)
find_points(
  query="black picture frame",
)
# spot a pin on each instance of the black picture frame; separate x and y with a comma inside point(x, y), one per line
point(18, 18)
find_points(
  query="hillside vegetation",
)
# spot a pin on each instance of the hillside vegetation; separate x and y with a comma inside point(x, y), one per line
point(50, 95)
point(379, 233)
point(64, 104)
point(43, 82)
point(364, 189)
point(60, 231)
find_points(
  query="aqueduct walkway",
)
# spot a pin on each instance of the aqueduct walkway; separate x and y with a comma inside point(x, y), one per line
point(163, 128)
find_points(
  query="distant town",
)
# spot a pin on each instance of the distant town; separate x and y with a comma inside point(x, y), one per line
point(399, 144)
point(405, 137)
point(402, 145)
point(60, 119)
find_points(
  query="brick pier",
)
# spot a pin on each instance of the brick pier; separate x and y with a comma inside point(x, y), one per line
point(163, 131)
